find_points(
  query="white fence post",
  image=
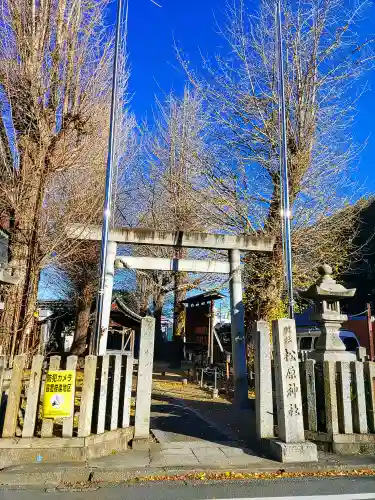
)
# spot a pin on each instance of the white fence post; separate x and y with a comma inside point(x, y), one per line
point(14, 396)
point(71, 364)
point(87, 398)
point(33, 394)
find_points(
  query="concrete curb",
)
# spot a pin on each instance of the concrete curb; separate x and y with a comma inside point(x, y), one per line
point(97, 476)
point(47, 478)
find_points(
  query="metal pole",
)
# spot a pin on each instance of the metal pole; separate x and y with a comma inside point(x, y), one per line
point(280, 157)
point(286, 212)
point(370, 334)
point(108, 184)
point(209, 338)
point(212, 333)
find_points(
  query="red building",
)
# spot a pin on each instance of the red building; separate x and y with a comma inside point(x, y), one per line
point(359, 325)
point(199, 321)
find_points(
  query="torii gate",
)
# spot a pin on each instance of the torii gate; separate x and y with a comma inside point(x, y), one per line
point(233, 244)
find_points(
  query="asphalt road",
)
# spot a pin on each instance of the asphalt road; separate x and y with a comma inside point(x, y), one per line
point(301, 489)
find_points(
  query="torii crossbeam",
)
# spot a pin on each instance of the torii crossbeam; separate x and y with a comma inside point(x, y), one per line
point(234, 244)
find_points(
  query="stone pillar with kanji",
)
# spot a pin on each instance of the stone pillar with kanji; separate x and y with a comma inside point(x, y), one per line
point(290, 446)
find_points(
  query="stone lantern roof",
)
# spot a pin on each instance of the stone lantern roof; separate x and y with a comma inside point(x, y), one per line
point(326, 294)
point(326, 288)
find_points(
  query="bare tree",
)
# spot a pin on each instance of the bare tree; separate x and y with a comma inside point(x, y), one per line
point(54, 79)
point(325, 58)
point(78, 267)
point(171, 192)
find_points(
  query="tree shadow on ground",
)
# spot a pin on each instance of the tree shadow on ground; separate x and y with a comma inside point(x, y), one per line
point(185, 423)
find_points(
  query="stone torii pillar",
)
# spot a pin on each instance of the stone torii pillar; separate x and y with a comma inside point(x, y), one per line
point(238, 330)
point(107, 301)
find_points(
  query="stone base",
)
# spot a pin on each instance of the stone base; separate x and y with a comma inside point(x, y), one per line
point(215, 393)
point(141, 444)
point(353, 444)
point(14, 451)
point(332, 356)
point(291, 452)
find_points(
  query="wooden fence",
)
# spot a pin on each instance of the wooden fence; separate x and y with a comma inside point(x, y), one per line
point(338, 399)
point(102, 397)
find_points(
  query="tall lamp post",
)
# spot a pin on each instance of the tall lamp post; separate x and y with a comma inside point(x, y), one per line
point(284, 181)
point(108, 184)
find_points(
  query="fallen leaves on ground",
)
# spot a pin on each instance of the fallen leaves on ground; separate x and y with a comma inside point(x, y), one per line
point(190, 391)
point(168, 383)
point(232, 475)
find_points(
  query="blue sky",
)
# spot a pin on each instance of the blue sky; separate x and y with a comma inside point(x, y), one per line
point(152, 32)
point(191, 23)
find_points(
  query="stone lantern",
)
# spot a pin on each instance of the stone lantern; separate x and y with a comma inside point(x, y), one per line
point(327, 294)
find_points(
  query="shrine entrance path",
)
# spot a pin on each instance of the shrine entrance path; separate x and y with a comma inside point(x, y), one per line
point(186, 417)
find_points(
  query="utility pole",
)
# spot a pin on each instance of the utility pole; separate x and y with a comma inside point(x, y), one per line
point(284, 181)
point(108, 185)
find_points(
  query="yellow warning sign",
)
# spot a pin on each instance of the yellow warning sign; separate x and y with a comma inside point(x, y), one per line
point(59, 393)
